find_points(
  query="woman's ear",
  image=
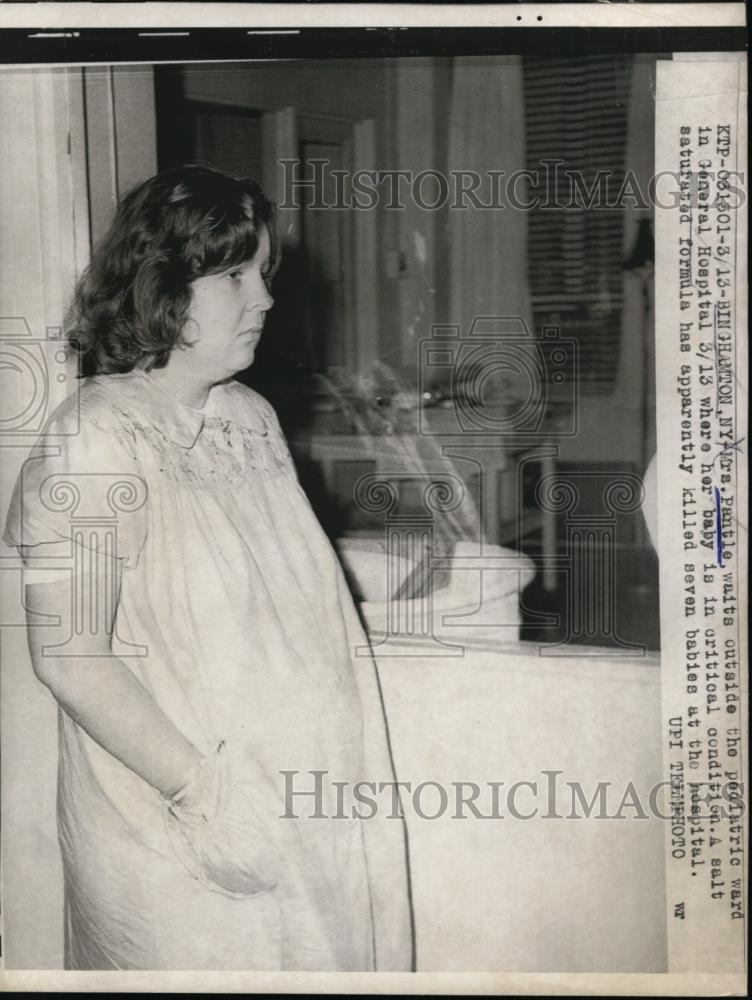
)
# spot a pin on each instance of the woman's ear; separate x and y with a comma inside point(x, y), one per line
point(189, 335)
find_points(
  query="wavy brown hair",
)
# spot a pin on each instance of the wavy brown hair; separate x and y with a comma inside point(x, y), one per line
point(131, 303)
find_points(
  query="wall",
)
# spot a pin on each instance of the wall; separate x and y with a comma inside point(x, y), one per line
point(540, 894)
point(44, 245)
point(45, 170)
point(349, 88)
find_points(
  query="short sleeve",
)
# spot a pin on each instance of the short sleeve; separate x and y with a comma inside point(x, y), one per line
point(81, 482)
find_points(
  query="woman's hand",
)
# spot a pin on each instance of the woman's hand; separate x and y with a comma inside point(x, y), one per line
point(225, 824)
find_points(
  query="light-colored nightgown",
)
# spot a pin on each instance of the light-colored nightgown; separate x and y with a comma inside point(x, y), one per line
point(235, 615)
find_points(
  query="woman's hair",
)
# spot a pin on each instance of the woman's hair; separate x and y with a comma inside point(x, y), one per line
point(132, 301)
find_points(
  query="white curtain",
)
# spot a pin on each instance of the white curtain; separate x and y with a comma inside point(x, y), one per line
point(488, 247)
point(635, 383)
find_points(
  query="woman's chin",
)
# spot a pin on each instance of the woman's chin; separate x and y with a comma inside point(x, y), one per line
point(245, 358)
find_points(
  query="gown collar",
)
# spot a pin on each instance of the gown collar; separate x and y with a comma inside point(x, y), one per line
point(180, 423)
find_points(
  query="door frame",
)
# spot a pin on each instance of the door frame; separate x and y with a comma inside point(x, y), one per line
point(121, 150)
point(281, 139)
point(121, 136)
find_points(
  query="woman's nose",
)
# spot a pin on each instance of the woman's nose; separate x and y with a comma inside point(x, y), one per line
point(259, 297)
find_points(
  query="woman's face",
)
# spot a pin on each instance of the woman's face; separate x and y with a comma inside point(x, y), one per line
point(226, 315)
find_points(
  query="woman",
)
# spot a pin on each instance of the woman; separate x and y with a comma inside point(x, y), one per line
point(210, 659)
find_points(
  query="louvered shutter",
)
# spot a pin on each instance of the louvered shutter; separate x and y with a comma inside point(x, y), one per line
point(576, 113)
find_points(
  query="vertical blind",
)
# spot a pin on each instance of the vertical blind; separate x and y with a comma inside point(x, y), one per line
point(576, 126)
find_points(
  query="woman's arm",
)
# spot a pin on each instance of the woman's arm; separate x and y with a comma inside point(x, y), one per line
point(98, 691)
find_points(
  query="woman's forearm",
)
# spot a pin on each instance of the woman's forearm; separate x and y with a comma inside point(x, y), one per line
point(100, 693)
point(115, 709)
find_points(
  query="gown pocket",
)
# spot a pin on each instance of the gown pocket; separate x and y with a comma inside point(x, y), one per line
point(225, 824)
